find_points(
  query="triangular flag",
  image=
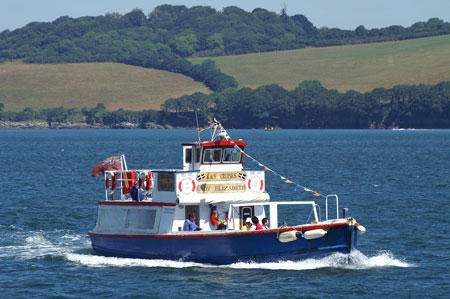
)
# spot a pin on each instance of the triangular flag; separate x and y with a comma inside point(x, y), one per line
point(245, 155)
point(282, 177)
point(266, 169)
point(297, 188)
point(200, 129)
point(288, 181)
point(316, 194)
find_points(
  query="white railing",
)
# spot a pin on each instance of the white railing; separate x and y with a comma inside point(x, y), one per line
point(233, 219)
point(337, 205)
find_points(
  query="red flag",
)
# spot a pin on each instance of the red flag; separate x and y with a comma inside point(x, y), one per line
point(316, 194)
point(288, 181)
point(111, 163)
point(200, 129)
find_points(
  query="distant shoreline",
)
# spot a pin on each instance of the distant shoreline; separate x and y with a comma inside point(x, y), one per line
point(77, 125)
point(42, 125)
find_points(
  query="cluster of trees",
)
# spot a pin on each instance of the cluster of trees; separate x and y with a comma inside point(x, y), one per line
point(310, 105)
point(89, 115)
point(169, 34)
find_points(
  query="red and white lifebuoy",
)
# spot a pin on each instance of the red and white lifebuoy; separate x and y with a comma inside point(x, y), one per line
point(186, 186)
point(255, 184)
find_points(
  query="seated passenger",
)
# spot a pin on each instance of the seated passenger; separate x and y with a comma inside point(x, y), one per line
point(248, 223)
point(190, 225)
point(255, 221)
point(265, 223)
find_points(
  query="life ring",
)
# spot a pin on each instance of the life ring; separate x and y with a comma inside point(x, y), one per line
point(212, 217)
point(114, 182)
point(148, 181)
point(186, 186)
point(255, 184)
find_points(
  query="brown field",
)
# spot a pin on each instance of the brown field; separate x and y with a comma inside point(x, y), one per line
point(78, 85)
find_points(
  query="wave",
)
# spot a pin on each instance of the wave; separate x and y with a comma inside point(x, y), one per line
point(33, 245)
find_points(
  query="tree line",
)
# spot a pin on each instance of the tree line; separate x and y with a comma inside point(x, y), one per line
point(167, 35)
point(308, 106)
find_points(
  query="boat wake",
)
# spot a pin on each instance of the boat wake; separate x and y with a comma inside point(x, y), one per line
point(359, 261)
point(76, 249)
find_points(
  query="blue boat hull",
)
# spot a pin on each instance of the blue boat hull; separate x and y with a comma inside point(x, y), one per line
point(226, 247)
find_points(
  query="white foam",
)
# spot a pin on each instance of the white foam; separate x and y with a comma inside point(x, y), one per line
point(103, 261)
point(37, 245)
point(358, 261)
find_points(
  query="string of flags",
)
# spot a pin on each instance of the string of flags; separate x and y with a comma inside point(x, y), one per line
point(287, 181)
point(222, 133)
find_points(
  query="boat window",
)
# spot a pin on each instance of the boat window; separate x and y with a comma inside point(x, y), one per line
point(212, 155)
point(188, 155)
point(231, 155)
point(141, 219)
point(246, 212)
point(166, 181)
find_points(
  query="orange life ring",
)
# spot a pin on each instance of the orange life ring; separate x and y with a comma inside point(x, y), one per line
point(148, 181)
point(213, 218)
point(114, 182)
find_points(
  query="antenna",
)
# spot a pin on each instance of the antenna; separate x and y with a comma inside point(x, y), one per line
point(198, 129)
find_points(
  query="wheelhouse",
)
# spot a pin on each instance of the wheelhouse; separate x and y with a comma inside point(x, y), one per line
point(221, 153)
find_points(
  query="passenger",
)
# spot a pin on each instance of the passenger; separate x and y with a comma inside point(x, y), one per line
point(255, 221)
point(221, 226)
point(265, 223)
point(248, 223)
point(190, 225)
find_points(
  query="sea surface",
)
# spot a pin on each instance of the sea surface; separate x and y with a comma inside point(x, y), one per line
point(395, 183)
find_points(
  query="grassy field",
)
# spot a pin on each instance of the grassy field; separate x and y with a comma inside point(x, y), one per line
point(358, 67)
point(85, 84)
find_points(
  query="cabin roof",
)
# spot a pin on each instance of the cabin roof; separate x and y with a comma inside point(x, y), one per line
point(217, 143)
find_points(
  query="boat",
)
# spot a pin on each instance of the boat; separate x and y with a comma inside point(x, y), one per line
point(145, 211)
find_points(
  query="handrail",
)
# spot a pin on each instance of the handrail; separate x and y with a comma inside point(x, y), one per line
point(273, 210)
point(337, 205)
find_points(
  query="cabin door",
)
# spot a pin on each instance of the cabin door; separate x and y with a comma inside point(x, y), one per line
point(244, 213)
point(190, 209)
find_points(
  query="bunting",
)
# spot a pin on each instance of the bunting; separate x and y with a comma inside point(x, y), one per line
point(216, 125)
point(285, 180)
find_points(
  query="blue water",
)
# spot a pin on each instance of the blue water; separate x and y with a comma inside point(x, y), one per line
point(395, 183)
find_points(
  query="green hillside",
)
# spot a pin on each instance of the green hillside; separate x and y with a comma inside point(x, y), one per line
point(78, 85)
point(358, 67)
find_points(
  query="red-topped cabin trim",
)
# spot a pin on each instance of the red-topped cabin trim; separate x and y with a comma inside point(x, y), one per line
point(224, 143)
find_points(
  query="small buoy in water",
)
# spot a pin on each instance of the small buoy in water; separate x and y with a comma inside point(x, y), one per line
point(314, 234)
point(289, 236)
point(361, 229)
